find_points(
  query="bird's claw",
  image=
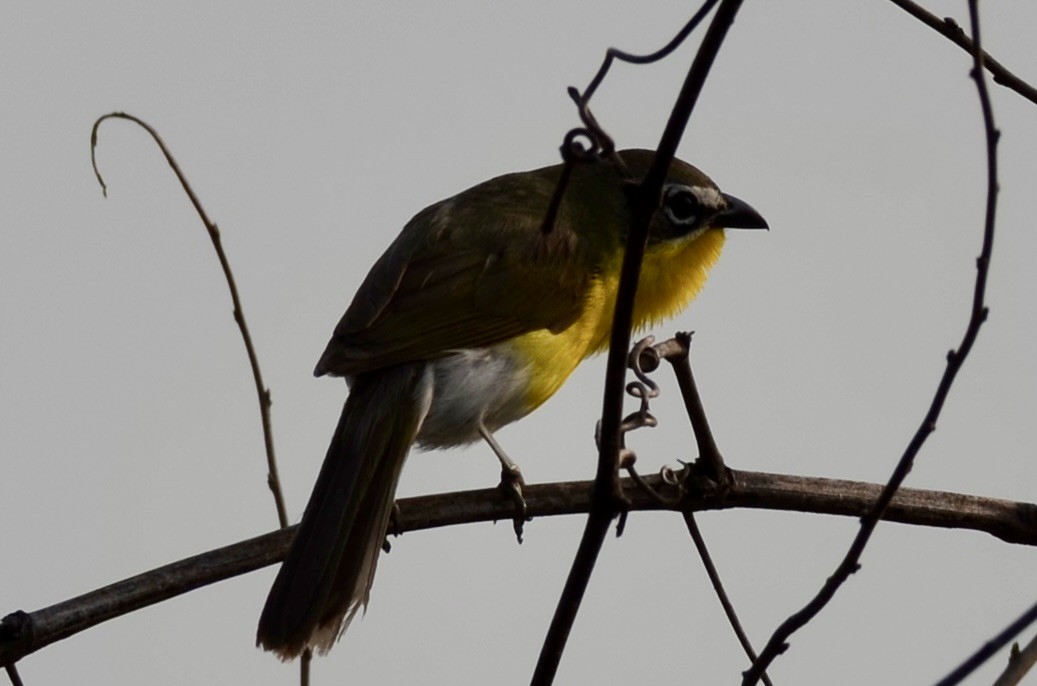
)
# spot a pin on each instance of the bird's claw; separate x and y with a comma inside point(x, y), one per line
point(394, 527)
point(512, 483)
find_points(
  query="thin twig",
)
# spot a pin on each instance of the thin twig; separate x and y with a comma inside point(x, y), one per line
point(608, 495)
point(644, 359)
point(1020, 662)
point(263, 393)
point(718, 588)
point(600, 142)
point(12, 674)
point(950, 29)
point(612, 54)
point(955, 358)
point(676, 351)
point(23, 633)
point(991, 647)
point(709, 453)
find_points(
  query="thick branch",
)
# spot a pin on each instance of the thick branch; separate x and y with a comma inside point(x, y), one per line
point(24, 633)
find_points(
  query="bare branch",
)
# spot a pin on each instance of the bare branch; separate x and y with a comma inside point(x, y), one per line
point(23, 633)
point(718, 588)
point(990, 648)
point(608, 494)
point(709, 453)
point(612, 54)
point(263, 393)
point(1020, 662)
point(644, 359)
point(955, 358)
point(949, 28)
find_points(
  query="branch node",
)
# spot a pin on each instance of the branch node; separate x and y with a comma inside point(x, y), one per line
point(17, 628)
point(953, 26)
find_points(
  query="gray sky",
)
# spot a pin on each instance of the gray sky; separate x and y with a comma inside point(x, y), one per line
point(129, 424)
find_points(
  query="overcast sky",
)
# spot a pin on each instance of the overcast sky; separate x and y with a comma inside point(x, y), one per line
point(130, 434)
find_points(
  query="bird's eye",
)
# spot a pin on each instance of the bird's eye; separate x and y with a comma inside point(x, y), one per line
point(681, 205)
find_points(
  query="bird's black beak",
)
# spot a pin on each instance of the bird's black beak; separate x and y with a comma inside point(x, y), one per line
point(739, 215)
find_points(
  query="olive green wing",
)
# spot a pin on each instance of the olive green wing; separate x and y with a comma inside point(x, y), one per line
point(448, 283)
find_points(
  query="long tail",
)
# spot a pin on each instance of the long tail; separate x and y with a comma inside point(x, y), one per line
point(330, 566)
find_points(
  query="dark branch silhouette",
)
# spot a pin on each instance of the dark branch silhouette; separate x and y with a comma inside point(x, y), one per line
point(1019, 663)
point(949, 28)
point(718, 588)
point(707, 474)
point(989, 648)
point(608, 495)
point(955, 358)
point(22, 633)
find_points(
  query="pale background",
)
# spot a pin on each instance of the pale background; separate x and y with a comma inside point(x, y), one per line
point(130, 435)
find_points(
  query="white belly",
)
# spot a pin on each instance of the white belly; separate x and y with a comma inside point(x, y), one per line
point(472, 387)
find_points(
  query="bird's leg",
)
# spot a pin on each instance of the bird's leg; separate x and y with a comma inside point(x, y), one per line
point(511, 480)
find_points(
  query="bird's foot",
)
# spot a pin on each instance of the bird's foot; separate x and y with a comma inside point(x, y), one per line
point(394, 527)
point(512, 483)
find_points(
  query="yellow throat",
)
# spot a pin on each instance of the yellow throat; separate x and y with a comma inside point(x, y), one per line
point(672, 274)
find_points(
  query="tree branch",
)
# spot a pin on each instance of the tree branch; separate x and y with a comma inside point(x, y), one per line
point(23, 633)
point(955, 359)
point(718, 588)
point(608, 494)
point(950, 29)
point(1020, 662)
point(989, 648)
point(262, 392)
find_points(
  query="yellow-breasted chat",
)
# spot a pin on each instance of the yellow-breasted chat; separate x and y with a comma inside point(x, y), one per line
point(471, 319)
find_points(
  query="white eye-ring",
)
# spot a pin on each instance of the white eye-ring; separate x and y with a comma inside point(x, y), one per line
point(686, 205)
point(681, 205)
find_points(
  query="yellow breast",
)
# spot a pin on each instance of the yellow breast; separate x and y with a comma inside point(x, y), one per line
point(672, 274)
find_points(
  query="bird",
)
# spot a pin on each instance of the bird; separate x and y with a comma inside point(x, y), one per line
point(473, 317)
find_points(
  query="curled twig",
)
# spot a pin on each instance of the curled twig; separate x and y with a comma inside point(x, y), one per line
point(644, 389)
point(600, 142)
point(573, 152)
point(663, 501)
point(263, 393)
point(642, 361)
